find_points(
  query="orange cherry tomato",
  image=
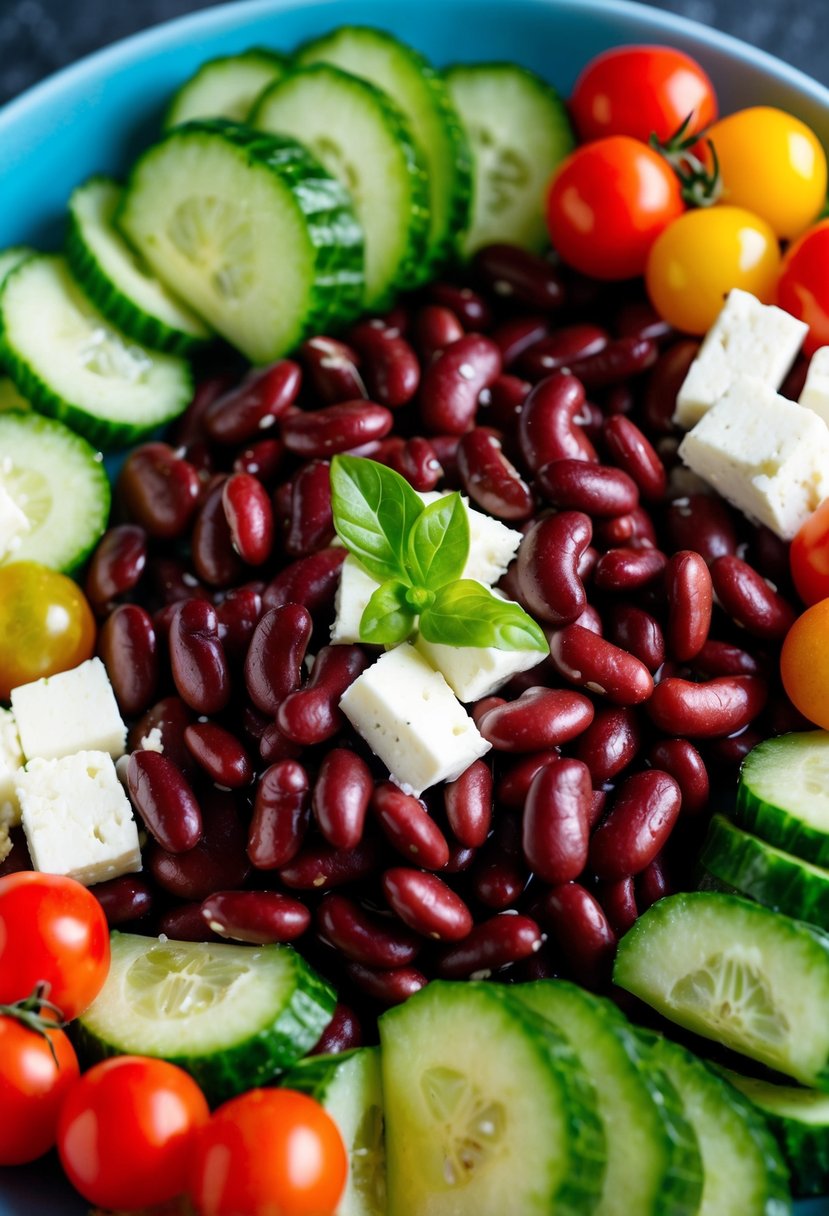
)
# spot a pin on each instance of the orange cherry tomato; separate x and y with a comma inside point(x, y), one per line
point(46, 624)
point(804, 664)
point(33, 1086)
point(803, 289)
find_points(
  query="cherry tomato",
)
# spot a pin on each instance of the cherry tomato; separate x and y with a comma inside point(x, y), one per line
point(640, 90)
point(804, 664)
point(127, 1132)
point(33, 1085)
point(772, 164)
point(271, 1150)
point(803, 289)
point(46, 624)
point(702, 256)
point(809, 557)
point(607, 203)
point(53, 931)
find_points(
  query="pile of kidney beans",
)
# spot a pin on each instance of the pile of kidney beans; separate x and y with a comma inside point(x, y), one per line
point(547, 399)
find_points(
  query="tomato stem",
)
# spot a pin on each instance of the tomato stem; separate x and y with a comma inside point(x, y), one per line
point(29, 1013)
point(701, 187)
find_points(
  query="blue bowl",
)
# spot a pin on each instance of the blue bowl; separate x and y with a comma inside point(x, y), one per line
point(95, 116)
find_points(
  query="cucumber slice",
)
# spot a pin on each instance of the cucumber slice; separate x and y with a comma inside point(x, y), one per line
point(488, 1110)
point(59, 483)
point(66, 359)
point(113, 278)
point(519, 132)
point(362, 138)
point(11, 258)
point(769, 875)
point(349, 1087)
point(734, 971)
point(799, 1121)
point(250, 231)
point(783, 795)
point(232, 1016)
point(422, 96)
point(225, 87)
point(10, 398)
point(654, 1169)
point(744, 1173)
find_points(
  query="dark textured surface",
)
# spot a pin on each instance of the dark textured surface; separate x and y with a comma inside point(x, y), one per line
point(39, 36)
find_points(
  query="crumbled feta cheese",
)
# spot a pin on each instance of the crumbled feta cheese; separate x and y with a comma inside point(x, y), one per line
point(412, 720)
point(766, 455)
point(77, 819)
point(815, 395)
point(747, 338)
point(70, 712)
point(14, 523)
point(11, 760)
point(153, 741)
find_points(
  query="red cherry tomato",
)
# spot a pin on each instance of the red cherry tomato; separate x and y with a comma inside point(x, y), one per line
point(127, 1132)
point(33, 1086)
point(640, 90)
point(607, 204)
point(271, 1150)
point(52, 931)
point(803, 288)
point(809, 557)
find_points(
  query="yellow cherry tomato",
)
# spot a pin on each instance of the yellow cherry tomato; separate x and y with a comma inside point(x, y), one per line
point(46, 624)
point(701, 256)
point(804, 664)
point(772, 164)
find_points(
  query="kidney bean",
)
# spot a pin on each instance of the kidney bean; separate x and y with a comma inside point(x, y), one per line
point(435, 328)
point(561, 349)
point(127, 645)
point(261, 459)
point(490, 480)
point(610, 743)
point(652, 884)
point(426, 904)
point(590, 619)
point(517, 334)
point(690, 596)
point(469, 307)
point(468, 804)
point(710, 710)
point(124, 899)
point(259, 917)
point(391, 987)
point(582, 933)
point(770, 555)
point(547, 568)
point(343, 1033)
point(541, 718)
point(702, 523)
point(160, 793)
point(682, 761)
point(460, 858)
point(448, 398)
point(629, 448)
point(274, 745)
point(731, 750)
point(618, 902)
point(117, 564)
point(220, 754)
point(311, 522)
point(417, 461)
point(249, 516)
point(664, 383)
point(335, 428)
point(174, 582)
point(495, 943)
point(170, 717)
point(638, 632)
point(783, 717)
point(635, 531)
point(484, 706)
point(280, 816)
point(370, 940)
point(238, 614)
point(642, 816)
point(341, 796)
point(594, 663)
point(332, 369)
point(321, 866)
point(197, 658)
point(312, 714)
point(596, 489)
point(217, 863)
point(749, 600)
point(255, 404)
point(628, 569)
point(185, 923)
point(159, 490)
point(311, 581)
point(555, 826)
point(516, 274)
point(639, 319)
point(590, 419)
point(273, 664)
point(503, 402)
point(389, 365)
point(498, 879)
point(547, 426)
point(408, 827)
point(214, 556)
point(189, 428)
point(617, 361)
point(515, 781)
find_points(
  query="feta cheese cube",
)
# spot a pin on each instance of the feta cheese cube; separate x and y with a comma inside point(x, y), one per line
point(767, 456)
point(14, 523)
point(355, 589)
point(412, 720)
point(70, 712)
point(747, 338)
point(815, 395)
point(11, 760)
point(77, 819)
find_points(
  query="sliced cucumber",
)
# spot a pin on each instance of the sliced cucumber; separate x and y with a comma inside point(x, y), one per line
point(734, 971)
point(488, 1110)
point(10, 398)
point(232, 1016)
point(114, 279)
point(744, 1173)
point(783, 795)
point(225, 87)
point(799, 1120)
point(59, 483)
point(424, 100)
point(66, 359)
point(11, 258)
point(519, 132)
point(767, 874)
point(654, 1169)
point(349, 1087)
point(361, 137)
point(250, 231)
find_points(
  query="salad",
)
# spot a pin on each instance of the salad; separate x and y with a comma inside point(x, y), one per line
point(413, 740)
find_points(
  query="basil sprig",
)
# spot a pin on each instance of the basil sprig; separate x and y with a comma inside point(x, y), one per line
point(417, 554)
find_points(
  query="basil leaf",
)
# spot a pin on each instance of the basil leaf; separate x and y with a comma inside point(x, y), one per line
point(388, 618)
point(439, 543)
point(374, 511)
point(465, 613)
